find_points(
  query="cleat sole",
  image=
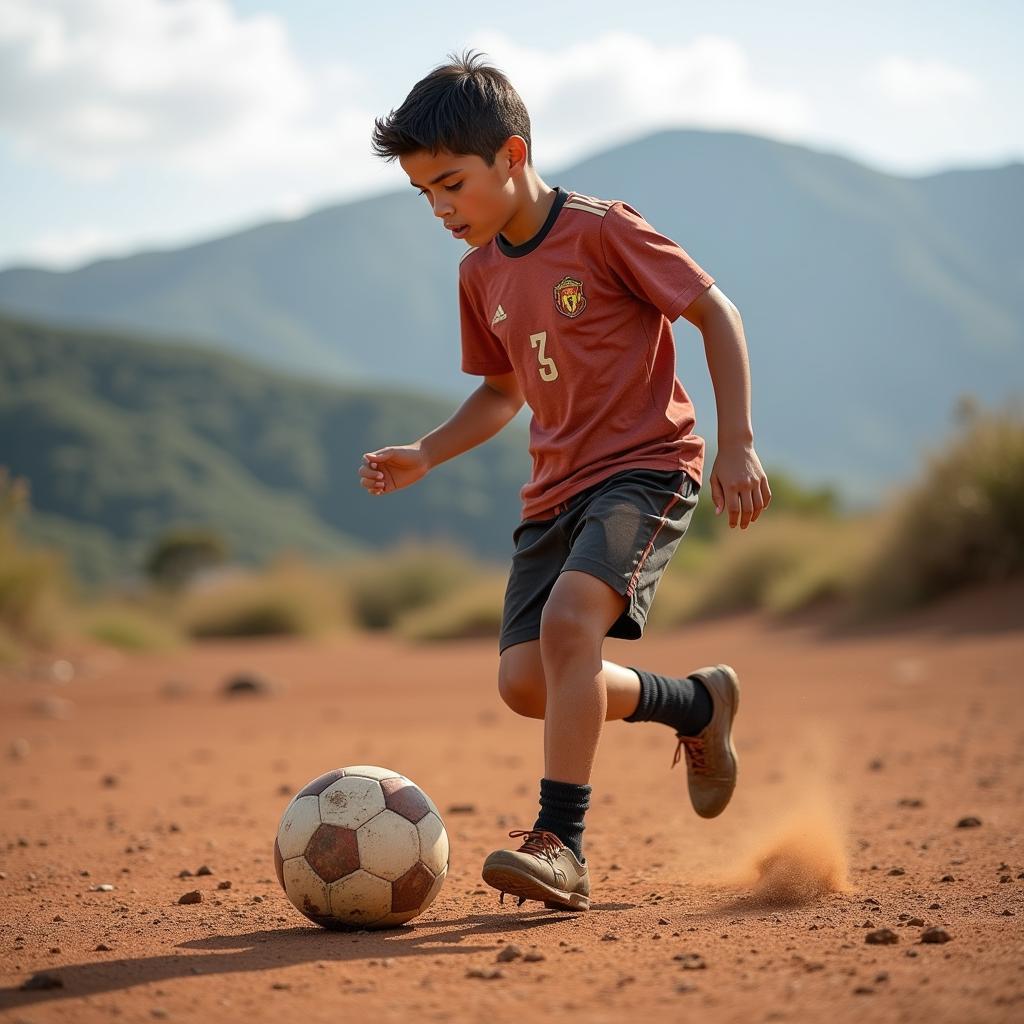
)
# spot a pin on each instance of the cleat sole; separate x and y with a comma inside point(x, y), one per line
point(508, 879)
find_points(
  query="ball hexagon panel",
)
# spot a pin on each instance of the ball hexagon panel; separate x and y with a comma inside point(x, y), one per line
point(301, 819)
point(305, 888)
point(332, 852)
point(360, 898)
point(405, 798)
point(433, 843)
point(388, 845)
point(371, 771)
point(349, 802)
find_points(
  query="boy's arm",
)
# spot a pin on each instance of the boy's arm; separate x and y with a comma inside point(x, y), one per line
point(738, 483)
point(489, 408)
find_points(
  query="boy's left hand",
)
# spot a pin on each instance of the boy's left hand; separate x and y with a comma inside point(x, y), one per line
point(739, 484)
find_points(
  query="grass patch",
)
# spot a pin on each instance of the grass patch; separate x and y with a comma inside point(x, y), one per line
point(131, 628)
point(473, 611)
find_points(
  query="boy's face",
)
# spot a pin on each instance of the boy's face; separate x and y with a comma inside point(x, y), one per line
point(473, 200)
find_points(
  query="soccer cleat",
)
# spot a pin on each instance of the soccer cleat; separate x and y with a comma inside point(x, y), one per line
point(710, 755)
point(543, 868)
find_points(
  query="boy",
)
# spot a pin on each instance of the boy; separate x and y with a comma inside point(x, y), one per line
point(566, 303)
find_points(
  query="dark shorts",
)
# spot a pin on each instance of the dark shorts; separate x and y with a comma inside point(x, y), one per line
point(623, 530)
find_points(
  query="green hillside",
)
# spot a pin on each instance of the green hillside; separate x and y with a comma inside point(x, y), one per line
point(122, 438)
point(871, 301)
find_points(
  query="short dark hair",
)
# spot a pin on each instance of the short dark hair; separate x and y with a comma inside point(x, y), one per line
point(465, 106)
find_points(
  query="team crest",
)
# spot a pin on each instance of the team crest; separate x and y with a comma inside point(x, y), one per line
point(569, 298)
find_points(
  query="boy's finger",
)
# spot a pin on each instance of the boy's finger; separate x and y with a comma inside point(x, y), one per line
point(717, 495)
point(766, 491)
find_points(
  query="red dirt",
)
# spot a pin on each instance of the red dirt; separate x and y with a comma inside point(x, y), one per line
point(838, 736)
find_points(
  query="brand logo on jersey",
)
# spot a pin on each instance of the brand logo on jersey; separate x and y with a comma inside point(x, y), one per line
point(499, 315)
point(569, 298)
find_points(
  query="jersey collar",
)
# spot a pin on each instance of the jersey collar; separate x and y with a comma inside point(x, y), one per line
point(515, 251)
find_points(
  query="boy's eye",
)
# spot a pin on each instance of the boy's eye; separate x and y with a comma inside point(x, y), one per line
point(451, 188)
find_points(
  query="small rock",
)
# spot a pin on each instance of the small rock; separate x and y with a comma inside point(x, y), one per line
point(691, 961)
point(934, 906)
point(935, 934)
point(247, 684)
point(486, 973)
point(533, 956)
point(882, 976)
point(257, 899)
point(102, 947)
point(195, 896)
point(915, 922)
point(204, 870)
point(863, 990)
point(508, 954)
point(109, 781)
point(910, 801)
point(969, 822)
point(663, 920)
point(876, 765)
point(881, 937)
point(897, 871)
point(910, 952)
point(55, 949)
point(462, 808)
point(609, 937)
point(1004, 879)
point(224, 885)
point(868, 924)
point(872, 901)
point(947, 878)
point(184, 873)
point(41, 981)
point(57, 918)
point(104, 887)
point(280, 986)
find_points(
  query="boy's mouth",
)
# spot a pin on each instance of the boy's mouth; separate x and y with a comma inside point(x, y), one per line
point(458, 230)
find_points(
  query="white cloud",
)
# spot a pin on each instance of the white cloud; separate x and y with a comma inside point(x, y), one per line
point(618, 85)
point(98, 85)
point(65, 250)
point(919, 82)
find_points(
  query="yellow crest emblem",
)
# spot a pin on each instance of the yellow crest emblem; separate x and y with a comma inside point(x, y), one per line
point(569, 298)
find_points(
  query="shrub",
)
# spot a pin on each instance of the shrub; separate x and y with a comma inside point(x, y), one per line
point(131, 628)
point(473, 611)
point(962, 523)
point(384, 587)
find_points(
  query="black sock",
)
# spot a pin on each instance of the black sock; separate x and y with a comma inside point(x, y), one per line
point(562, 806)
point(683, 704)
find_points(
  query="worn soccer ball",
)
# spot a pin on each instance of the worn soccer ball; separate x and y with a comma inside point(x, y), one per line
point(361, 847)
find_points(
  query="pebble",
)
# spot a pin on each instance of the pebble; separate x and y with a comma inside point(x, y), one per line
point(935, 935)
point(915, 922)
point(609, 937)
point(947, 878)
point(195, 896)
point(897, 871)
point(508, 954)
point(881, 937)
point(41, 981)
point(691, 961)
point(247, 684)
point(104, 887)
point(102, 947)
point(534, 956)
point(204, 870)
point(969, 822)
point(934, 906)
point(462, 808)
point(224, 885)
point(911, 801)
point(486, 973)
point(184, 873)
point(663, 920)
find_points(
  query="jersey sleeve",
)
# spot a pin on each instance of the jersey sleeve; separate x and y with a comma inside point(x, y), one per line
point(650, 265)
point(482, 351)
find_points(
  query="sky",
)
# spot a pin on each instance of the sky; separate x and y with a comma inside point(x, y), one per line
point(141, 124)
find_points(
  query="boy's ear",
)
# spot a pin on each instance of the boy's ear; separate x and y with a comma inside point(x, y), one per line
point(514, 153)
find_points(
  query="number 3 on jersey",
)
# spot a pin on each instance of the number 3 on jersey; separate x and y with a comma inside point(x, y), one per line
point(548, 370)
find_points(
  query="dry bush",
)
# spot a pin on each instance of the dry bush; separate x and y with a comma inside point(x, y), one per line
point(289, 598)
point(384, 587)
point(33, 582)
point(472, 611)
point(130, 627)
point(962, 523)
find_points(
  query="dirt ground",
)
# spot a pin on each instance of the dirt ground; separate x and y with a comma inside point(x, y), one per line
point(859, 755)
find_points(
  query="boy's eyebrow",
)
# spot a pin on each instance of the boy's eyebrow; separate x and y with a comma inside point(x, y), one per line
point(440, 177)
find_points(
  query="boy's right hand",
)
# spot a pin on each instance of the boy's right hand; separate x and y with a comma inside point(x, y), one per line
point(390, 469)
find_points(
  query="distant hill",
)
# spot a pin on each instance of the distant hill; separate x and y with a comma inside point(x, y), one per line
point(122, 438)
point(871, 302)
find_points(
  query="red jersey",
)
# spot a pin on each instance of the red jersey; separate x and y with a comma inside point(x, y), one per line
point(581, 312)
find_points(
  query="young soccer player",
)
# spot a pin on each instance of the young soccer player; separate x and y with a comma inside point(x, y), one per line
point(565, 303)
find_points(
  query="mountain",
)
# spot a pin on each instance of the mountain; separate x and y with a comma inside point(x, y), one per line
point(121, 438)
point(870, 302)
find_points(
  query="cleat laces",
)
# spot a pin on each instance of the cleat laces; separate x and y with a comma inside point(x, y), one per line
point(694, 752)
point(538, 842)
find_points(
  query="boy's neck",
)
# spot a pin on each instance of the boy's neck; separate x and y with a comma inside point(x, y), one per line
point(535, 204)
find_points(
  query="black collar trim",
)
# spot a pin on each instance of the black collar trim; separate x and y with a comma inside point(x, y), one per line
point(515, 251)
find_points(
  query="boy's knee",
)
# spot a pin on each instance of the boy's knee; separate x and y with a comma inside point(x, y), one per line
point(565, 627)
point(522, 690)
